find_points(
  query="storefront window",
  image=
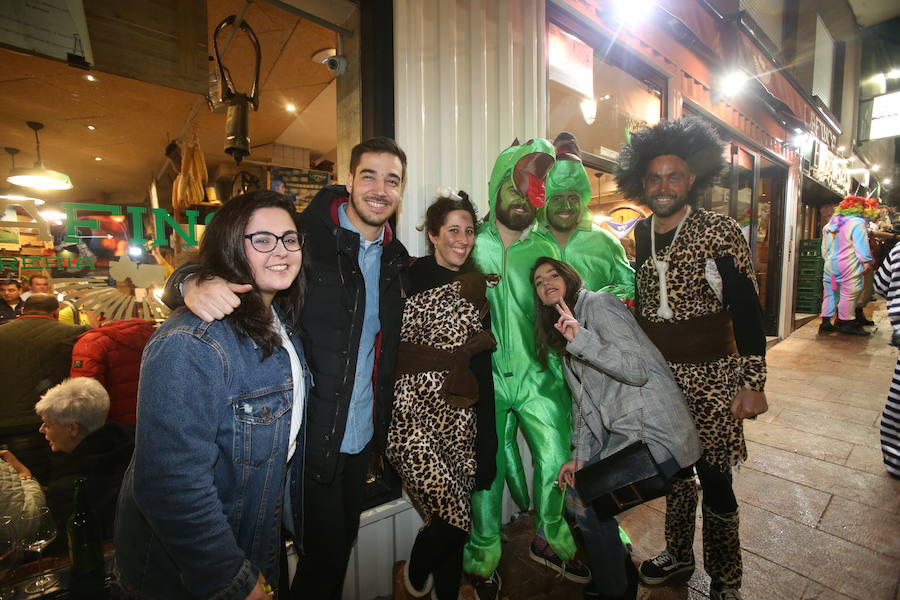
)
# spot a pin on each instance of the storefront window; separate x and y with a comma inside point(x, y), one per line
point(596, 97)
point(768, 218)
point(744, 197)
point(601, 93)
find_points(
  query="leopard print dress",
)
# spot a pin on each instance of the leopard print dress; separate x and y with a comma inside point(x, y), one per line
point(430, 442)
point(694, 290)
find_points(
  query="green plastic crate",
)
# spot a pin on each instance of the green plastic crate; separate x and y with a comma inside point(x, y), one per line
point(811, 272)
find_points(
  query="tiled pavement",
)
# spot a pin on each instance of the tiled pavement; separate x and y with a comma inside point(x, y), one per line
point(819, 517)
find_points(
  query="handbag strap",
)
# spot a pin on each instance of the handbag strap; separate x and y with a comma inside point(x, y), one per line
point(581, 422)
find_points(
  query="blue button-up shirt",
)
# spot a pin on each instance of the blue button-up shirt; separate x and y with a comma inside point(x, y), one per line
point(360, 426)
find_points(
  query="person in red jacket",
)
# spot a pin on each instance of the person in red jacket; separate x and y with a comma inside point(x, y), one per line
point(111, 354)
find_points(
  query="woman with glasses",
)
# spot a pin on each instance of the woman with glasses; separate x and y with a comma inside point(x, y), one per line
point(219, 441)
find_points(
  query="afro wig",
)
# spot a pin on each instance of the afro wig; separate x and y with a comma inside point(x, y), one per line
point(690, 139)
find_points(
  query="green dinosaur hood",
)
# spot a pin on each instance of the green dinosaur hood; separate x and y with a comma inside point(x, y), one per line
point(568, 175)
point(510, 158)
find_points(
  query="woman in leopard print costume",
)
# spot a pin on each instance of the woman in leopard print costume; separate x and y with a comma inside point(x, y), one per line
point(442, 437)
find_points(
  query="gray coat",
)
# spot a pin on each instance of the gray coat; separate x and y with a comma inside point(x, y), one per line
point(628, 391)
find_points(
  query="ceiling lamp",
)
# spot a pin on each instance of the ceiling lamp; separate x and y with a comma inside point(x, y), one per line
point(10, 194)
point(38, 177)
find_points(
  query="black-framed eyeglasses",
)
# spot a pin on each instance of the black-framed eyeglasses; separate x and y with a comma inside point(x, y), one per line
point(263, 241)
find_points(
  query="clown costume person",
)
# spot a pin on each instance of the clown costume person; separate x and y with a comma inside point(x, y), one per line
point(526, 393)
point(847, 255)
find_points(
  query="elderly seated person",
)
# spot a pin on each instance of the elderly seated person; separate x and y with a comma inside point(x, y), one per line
point(74, 424)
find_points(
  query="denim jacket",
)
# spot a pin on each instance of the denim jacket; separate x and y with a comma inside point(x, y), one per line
point(200, 511)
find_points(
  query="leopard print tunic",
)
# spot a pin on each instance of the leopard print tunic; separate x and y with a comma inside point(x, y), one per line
point(430, 443)
point(694, 290)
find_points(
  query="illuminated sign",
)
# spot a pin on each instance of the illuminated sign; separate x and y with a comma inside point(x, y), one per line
point(135, 213)
point(39, 263)
point(885, 116)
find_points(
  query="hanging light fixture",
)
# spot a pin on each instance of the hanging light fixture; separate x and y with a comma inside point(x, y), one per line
point(39, 177)
point(13, 195)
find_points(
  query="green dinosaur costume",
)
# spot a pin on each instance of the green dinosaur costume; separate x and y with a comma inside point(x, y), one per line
point(526, 394)
point(595, 253)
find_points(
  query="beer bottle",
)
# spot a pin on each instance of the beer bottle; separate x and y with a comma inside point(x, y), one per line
point(85, 551)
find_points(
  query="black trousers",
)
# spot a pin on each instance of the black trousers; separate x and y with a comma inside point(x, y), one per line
point(330, 525)
point(718, 493)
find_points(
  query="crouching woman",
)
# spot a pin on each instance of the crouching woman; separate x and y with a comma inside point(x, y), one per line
point(219, 445)
point(622, 392)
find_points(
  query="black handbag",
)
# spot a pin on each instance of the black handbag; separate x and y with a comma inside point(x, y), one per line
point(623, 479)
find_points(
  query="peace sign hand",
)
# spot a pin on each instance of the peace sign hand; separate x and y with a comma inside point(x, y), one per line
point(567, 325)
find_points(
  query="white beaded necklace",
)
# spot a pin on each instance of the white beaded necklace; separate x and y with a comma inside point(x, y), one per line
point(662, 266)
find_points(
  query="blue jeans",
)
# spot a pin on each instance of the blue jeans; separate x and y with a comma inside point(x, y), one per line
point(606, 553)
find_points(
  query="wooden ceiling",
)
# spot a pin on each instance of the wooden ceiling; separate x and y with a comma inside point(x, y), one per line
point(135, 121)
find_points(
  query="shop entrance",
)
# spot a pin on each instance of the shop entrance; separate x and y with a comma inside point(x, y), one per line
point(752, 190)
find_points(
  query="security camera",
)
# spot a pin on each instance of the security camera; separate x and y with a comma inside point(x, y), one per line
point(337, 65)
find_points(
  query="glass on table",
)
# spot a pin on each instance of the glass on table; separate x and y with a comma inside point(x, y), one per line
point(9, 552)
point(40, 530)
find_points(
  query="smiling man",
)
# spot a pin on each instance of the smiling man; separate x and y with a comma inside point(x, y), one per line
point(358, 278)
point(698, 302)
point(567, 223)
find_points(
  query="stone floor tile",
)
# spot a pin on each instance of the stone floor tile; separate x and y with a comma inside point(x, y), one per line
point(866, 459)
point(665, 592)
point(782, 435)
point(863, 525)
point(815, 591)
point(833, 410)
point(824, 558)
point(852, 484)
point(645, 527)
point(780, 496)
point(767, 580)
point(830, 430)
point(796, 389)
point(867, 400)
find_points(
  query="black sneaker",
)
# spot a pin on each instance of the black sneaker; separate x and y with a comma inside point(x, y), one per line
point(851, 328)
point(664, 568)
point(488, 589)
point(573, 570)
point(826, 327)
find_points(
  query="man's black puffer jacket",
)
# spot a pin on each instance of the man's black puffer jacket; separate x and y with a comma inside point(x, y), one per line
point(333, 314)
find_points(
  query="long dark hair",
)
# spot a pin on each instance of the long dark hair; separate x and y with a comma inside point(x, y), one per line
point(547, 337)
point(222, 255)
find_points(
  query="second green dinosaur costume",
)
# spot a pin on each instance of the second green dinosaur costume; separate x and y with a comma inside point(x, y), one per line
point(595, 253)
